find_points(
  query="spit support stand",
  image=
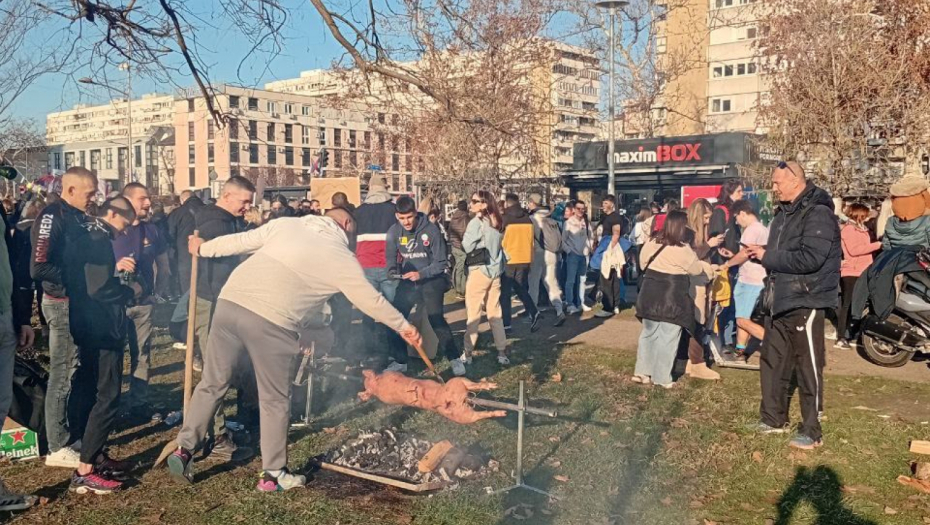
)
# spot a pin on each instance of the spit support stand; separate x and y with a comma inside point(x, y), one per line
point(306, 363)
point(521, 410)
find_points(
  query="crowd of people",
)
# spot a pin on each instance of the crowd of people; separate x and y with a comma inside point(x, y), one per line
point(97, 269)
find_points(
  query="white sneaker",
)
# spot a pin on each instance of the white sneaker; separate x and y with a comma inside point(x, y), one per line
point(396, 367)
point(458, 366)
point(179, 346)
point(503, 359)
point(604, 314)
point(571, 310)
point(585, 308)
point(65, 457)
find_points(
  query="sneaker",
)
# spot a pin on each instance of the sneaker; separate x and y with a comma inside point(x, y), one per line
point(503, 359)
point(762, 428)
point(616, 311)
point(571, 310)
point(284, 481)
point(179, 346)
point(643, 380)
point(507, 329)
point(179, 465)
point(559, 319)
point(10, 501)
point(224, 448)
point(667, 386)
point(394, 366)
point(603, 314)
point(804, 443)
point(585, 308)
point(65, 457)
point(198, 364)
point(829, 333)
point(458, 366)
point(111, 468)
point(534, 322)
point(842, 344)
point(94, 483)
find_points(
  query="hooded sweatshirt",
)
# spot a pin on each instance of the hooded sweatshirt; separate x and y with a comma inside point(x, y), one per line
point(518, 236)
point(373, 219)
point(422, 250)
point(900, 233)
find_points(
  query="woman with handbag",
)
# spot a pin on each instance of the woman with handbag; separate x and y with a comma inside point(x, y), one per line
point(668, 263)
point(699, 213)
point(484, 262)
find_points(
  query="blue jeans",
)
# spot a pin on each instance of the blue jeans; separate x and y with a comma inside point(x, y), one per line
point(63, 363)
point(378, 277)
point(727, 319)
point(575, 268)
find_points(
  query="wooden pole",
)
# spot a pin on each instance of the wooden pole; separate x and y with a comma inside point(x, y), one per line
point(191, 323)
point(429, 364)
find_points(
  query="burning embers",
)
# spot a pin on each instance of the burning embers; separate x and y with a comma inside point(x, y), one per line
point(397, 455)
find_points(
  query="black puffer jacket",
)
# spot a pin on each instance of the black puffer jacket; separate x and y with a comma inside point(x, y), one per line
point(212, 222)
point(181, 225)
point(803, 254)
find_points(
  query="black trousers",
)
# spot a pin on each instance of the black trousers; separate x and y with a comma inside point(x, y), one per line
point(611, 290)
point(429, 295)
point(107, 367)
point(516, 280)
point(847, 284)
point(793, 346)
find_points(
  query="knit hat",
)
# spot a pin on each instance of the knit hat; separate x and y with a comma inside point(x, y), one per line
point(909, 197)
point(909, 186)
point(376, 184)
point(536, 199)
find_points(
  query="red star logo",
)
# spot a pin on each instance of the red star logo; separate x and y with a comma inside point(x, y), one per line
point(19, 437)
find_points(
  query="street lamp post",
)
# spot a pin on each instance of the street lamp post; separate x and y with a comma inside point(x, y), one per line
point(128, 95)
point(611, 6)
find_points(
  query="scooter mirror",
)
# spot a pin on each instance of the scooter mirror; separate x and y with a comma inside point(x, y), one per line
point(9, 172)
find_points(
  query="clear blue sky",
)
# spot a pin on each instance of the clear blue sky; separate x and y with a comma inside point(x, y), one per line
point(307, 45)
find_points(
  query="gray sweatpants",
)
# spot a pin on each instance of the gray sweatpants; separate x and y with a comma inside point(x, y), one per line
point(272, 348)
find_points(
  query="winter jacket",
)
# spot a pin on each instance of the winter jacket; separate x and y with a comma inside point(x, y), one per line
point(803, 254)
point(20, 253)
point(875, 288)
point(480, 234)
point(296, 265)
point(542, 218)
point(422, 250)
point(666, 291)
point(373, 222)
point(457, 226)
point(900, 233)
point(211, 222)
point(722, 221)
point(577, 237)
point(57, 223)
point(16, 286)
point(518, 236)
point(98, 300)
point(181, 224)
point(857, 250)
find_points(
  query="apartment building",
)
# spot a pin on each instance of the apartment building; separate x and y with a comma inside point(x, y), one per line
point(109, 122)
point(278, 137)
point(569, 80)
point(715, 79)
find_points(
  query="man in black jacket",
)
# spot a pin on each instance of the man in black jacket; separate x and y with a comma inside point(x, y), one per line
point(457, 226)
point(212, 221)
point(100, 326)
point(54, 225)
point(180, 227)
point(803, 262)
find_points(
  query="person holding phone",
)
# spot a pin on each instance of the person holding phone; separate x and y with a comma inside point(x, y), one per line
point(751, 276)
point(723, 221)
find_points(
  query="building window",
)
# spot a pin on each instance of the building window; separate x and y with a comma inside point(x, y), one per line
point(367, 140)
point(305, 157)
point(253, 104)
point(191, 154)
point(57, 161)
point(190, 105)
point(120, 158)
point(353, 159)
point(234, 152)
point(720, 105)
point(305, 111)
point(322, 136)
point(210, 153)
point(751, 33)
point(304, 135)
point(395, 162)
point(288, 133)
point(380, 118)
point(253, 153)
point(337, 158)
point(190, 132)
point(270, 106)
point(191, 178)
point(233, 129)
point(337, 137)
point(289, 155)
point(109, 159)
point(210, 129)
point(253, 130)
point(751, 68)
point(351, 138)
point(718, 71)
point(740, 69)
point(94, 160)
point(272, 155)
point(724, 3)
point(233, 101)
point(728, 71)
point(271, 132)
point(288, 108)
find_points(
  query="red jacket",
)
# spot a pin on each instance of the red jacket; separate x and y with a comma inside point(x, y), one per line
point(372, 223)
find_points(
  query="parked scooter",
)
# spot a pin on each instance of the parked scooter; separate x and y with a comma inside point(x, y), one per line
point(894, 341)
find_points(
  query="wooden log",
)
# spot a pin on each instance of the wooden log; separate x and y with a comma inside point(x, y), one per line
point(434, 456)
point(921, 470)
point(920, 447)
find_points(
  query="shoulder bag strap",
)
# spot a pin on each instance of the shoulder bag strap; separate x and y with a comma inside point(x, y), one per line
point(653, 258)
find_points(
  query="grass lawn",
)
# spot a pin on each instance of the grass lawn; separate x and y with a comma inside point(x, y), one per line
point(621, 454)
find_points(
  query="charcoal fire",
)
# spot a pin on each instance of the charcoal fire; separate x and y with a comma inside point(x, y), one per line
point(397, 455)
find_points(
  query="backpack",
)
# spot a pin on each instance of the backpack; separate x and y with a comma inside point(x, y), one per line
point(550, 235)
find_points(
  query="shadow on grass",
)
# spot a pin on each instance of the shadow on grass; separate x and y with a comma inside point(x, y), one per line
point(821, 487)
point(525, 505)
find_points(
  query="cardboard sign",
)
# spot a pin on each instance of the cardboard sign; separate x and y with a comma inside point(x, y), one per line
point(323, 190)
point(18, 442)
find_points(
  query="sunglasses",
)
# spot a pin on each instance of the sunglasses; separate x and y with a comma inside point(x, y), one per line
point(782, 165)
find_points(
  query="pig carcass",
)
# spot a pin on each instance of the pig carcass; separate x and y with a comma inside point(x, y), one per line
point(449, 400)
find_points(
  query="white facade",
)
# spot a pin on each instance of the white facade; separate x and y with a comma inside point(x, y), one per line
point(735, 85)
point(108, 122)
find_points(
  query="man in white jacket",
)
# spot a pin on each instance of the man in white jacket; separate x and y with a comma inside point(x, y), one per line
point(296, 265)
point(545, 263)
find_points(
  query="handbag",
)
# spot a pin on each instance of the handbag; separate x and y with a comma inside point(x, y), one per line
point(478, 257)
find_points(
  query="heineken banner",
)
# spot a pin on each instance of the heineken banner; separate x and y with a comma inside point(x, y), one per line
point(18, 442)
